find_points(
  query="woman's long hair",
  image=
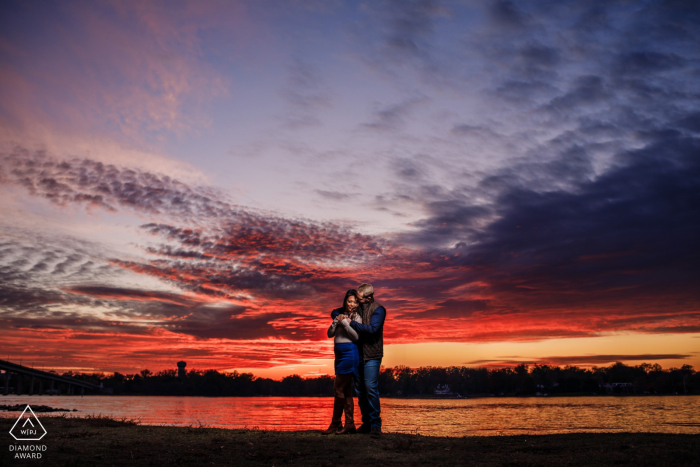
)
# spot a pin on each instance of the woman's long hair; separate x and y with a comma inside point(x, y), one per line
point(350, 293)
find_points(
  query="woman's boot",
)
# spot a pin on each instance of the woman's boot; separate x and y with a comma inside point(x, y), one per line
point(349, 427)
point(336, 423)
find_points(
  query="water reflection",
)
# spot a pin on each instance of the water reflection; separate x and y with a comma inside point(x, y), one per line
point(451, 417)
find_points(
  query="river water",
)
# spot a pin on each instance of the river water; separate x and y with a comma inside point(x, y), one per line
point(434, 417)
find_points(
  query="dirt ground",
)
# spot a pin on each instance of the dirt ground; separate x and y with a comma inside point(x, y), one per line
point(101, 441)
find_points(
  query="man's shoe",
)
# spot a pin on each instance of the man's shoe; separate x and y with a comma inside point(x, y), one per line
point(376, 432)
point(364, 429)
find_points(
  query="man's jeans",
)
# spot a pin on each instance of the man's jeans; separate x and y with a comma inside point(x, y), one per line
point(368, 392)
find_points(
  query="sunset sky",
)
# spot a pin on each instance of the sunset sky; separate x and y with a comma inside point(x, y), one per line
point(203, 181)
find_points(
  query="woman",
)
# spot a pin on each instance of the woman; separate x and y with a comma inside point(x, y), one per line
point(347, 360)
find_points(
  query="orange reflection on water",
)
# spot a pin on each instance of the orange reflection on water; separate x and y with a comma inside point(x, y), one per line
point(434, 417)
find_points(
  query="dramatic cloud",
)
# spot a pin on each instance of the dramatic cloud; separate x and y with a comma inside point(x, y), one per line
point(148, 75)
point(499, 171)
point(96, 185)
point(226, 254)
point(528, 257)
point(38, 295)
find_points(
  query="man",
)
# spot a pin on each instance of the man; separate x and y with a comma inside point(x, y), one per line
point(371, 345)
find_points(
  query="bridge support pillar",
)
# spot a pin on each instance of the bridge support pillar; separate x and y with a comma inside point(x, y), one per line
point(70, 389)
point(7, 382)
point(31, 386)
point(51, 387)
point(82, 390)
point(41, 387)
point(19, 384)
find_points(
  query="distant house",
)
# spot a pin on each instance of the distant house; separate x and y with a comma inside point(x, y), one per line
point(444, 390)
point(618, 388)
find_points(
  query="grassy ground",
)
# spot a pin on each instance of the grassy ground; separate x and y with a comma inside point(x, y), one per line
point(102, 441)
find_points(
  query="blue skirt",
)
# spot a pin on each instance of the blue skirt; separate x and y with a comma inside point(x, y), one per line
point(347, 359)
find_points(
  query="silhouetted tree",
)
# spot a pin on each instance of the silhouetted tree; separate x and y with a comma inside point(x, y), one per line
point(408, 382)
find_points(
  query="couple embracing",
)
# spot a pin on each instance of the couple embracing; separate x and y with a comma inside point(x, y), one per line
point(357, 329)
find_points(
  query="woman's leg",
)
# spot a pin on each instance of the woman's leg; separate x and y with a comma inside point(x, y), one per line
point(338, 405)
point(349, 408)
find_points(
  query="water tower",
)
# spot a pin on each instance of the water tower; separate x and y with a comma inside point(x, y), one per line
point(181, 373)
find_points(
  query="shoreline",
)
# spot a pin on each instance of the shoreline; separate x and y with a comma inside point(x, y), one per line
point(102, 440)
point(418, 397)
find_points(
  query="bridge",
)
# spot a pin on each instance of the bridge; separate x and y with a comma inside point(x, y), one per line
point(56, 382)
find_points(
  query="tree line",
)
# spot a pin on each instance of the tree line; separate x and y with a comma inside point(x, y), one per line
point(402, 381)
point(524, 380)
